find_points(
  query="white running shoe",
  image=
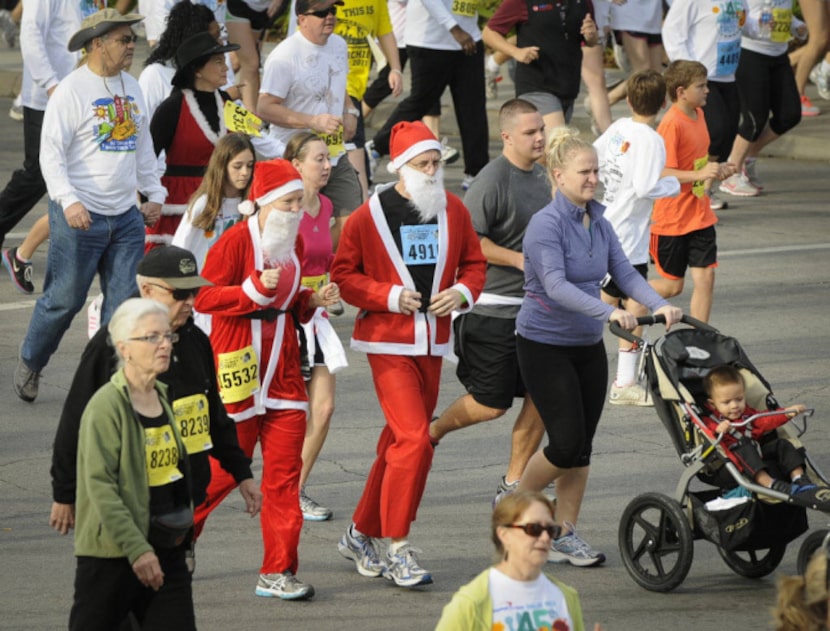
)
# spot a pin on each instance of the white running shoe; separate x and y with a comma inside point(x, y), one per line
point(363, 551)
point(573, 549)
point(448, 154)
point(633, 394)
point(283, 585)
point(402, 567)
point(716, 202)
point(751, 172)
point(738, 185)
point(312, 511)
point(504, 489)
point(467, 181)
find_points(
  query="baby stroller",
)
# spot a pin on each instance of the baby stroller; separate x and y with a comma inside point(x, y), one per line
point(751, 531)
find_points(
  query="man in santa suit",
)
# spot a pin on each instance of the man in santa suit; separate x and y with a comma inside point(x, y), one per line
point(255, 271)
point(407, 259)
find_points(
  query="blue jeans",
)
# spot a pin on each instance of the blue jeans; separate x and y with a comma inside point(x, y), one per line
point(112, 247)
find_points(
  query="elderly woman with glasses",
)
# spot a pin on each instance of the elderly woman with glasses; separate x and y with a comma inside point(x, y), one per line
point(515, 593)
point(133, 508)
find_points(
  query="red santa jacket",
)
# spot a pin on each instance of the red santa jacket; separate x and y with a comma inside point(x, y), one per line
point(233, 265)
point(759, 427)
point(371, 275)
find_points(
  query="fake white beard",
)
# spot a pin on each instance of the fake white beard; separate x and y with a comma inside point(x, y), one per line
point(279, 236)
point(426, 192)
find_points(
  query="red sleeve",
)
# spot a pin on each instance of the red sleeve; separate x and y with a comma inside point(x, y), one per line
point(766, 424)
point(348, 269)
point(227, 267)
point(507, 16)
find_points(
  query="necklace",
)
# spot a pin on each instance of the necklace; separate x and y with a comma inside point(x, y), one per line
point(123, 88)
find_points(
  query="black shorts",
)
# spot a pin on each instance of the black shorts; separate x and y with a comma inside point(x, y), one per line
point(487, 363)
point(672, 255)
point(653, 39)
point(259, 20)
point(359, 138)
point(610, 287)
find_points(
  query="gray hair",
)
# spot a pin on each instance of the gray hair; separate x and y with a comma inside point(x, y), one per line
point(126, 318)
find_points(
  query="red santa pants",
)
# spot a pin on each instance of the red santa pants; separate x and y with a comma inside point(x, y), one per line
point(407, 389)
point(281, 434)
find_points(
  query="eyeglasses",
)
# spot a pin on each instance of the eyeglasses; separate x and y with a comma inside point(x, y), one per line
point(423, 165)
point(156, 338)
point(323, 13)
point(178, 294)
point(535, 530)
point(126, 40)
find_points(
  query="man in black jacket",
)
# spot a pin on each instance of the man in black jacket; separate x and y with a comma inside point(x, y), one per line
point(170, 276)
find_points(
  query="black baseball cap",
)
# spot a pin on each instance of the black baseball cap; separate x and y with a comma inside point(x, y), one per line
point(174, 265)
point(307, 6)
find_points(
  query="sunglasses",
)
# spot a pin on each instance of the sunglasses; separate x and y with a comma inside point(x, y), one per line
point(178, 294)
point(535, 530)
point(323, 13)
point(126, 40)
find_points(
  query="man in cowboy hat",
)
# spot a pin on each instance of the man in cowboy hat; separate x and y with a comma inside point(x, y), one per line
point(408, 258)
point(96, 154)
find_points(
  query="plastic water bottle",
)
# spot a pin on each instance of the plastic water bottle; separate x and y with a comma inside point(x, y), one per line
point(765, 21)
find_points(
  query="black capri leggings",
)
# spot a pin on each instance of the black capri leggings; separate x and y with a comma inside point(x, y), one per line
point(766, 85)
point(722, 111)
point(567, 384)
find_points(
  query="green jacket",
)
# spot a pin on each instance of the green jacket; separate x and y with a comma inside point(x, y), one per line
point(112, 507)
point(471, 608)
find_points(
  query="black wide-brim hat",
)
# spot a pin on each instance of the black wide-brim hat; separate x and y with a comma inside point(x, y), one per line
point(99, 24)
point(199, 46)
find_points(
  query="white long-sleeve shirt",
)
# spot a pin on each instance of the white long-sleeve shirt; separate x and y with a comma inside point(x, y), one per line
point(95, 147)
point(45, 29)
point(631, 157)
point(428, 23)
point(708, 31)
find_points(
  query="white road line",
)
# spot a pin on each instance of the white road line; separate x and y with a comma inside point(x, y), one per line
point(774, 250)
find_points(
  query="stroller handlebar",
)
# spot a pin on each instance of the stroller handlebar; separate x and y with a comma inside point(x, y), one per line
point(649, 320)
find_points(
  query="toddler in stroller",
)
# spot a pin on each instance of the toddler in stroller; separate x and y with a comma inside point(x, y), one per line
point(750, 435)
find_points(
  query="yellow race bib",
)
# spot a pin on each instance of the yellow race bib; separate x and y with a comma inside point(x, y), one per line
point(465, 8)
point(238, 375)
point(193, 416)
point(314, 282)
point(699, 186)
point(334, 142)
point(162, 455)
point(238, 119)
point(782, 20)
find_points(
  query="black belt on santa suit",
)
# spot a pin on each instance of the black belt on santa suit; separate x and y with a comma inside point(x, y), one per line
point(269, 315)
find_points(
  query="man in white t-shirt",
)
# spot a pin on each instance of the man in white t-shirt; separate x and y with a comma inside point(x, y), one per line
point(304, 88)
point(96, 153)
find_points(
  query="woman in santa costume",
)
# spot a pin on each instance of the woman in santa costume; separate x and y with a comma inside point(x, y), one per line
point(255, 271)
point(186, 127)
point(407, 259)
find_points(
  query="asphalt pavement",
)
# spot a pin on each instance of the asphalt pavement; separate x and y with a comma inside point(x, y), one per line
point(771, 293)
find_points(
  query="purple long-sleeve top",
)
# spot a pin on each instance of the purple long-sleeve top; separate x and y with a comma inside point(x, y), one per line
point(565, 264)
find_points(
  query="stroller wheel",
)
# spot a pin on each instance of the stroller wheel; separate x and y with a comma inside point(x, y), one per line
point(754, 563)
point(810, 544)
point(656, 542)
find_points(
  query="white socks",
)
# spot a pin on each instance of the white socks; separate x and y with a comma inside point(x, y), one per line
point(491, 64)
point(627, 367)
